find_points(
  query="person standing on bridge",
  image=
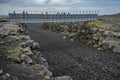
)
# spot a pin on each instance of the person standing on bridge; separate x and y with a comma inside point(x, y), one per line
point(46, 12)
point(23, 14)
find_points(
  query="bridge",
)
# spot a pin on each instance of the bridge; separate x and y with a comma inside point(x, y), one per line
point(43, 17)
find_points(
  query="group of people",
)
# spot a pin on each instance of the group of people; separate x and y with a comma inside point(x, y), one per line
point(44, 13)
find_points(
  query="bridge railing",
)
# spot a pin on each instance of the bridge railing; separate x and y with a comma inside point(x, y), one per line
point(50, 17)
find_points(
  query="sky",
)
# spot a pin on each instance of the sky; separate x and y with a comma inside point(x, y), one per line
point(103, 6)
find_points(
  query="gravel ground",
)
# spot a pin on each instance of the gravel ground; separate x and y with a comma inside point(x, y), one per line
point(76, 59)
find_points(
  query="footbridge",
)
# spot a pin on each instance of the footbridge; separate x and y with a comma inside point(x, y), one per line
point(60, 17)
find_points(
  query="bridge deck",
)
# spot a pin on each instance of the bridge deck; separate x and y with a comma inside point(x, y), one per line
point(51, 20)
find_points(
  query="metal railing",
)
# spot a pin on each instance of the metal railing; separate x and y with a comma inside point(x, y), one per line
point(27, 17)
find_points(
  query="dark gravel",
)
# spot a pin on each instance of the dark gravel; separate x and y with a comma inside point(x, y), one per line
point(76, 59)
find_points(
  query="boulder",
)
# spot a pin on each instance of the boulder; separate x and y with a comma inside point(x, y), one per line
point(35, 45)
point(42, 61)
point(10, 29)
point(29, 43)
point(112, 34)
point(111, 43)
point(12, 32)
point(2, 42)
point(115, 45)
point(25, 59)
point(116, 35)
point(36, 54)
point(9, 41)
point(10, 51)
point(105, 45)
point(23, 45)
point(27, 51)
point(26, 37)
point(94, 29)
point(5, 76)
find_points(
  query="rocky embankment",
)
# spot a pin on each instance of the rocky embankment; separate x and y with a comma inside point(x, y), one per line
point(103, 36)
point(20, 56)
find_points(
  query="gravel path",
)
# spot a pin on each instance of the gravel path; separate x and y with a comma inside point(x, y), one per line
point(75, 59)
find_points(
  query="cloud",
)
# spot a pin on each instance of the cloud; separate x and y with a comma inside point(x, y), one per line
point(64, 2)
point(39, 1)
point(4, 1)
point(36, 2)
point(56, 5)
point(57, 1)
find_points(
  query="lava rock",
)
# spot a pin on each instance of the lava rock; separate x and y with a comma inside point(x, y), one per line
point(27, 51)
point(35, 46)
point(26, 59)
point(29, 43)
point(42, 61)
point(23, 45)
point(26, 37)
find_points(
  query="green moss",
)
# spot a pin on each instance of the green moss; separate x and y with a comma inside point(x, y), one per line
point(68, 33)
point(16, 55)
point(16, 37)
point(18, 23)
point(93, 23)
point(47, 77)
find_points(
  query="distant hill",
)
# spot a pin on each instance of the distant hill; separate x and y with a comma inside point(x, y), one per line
point(3, 18)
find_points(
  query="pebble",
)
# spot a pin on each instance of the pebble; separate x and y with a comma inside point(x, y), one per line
point(1, 71)
point(71, 39)
point(64, 37)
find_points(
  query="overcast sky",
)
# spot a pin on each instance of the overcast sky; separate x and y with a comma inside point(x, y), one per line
point(104, 6)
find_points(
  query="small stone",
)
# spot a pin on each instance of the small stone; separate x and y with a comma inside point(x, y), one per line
point(64, 37)
point(99, 48)
point(1, 71)
point(71, 39)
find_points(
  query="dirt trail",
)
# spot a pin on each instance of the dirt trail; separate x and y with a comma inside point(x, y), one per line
point(76, 59)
